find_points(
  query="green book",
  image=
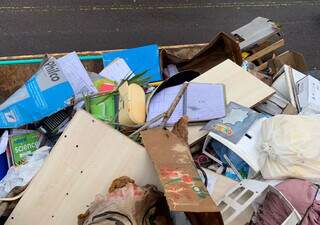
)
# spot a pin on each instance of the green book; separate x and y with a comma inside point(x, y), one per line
point(23, 145)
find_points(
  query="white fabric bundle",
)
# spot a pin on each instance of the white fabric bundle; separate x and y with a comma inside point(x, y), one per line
point(290, 147)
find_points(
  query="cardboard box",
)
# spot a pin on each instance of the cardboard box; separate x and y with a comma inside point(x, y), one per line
point(309, 94)
point(291, 58)
point(286, 84)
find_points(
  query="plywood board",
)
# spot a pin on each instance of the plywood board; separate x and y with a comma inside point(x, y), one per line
point(86, 159)
point(241, 86)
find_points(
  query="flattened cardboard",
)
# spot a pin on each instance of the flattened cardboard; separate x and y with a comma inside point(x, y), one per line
point(173, 162)
point(241, 86)
point(86, 159)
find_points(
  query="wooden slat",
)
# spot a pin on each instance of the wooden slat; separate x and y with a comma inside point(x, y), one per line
point(86, 159)
point(266, 51)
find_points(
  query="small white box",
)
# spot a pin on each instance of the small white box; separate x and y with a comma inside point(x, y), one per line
point(309, 94)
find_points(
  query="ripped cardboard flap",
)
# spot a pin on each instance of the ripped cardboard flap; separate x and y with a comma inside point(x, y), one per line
point(173, 162)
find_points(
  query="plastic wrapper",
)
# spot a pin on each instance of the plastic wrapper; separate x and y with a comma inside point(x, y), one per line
point(22, 175)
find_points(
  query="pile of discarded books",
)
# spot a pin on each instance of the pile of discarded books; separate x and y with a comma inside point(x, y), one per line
point(220, 133)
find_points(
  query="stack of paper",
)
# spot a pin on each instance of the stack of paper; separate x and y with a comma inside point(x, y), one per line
point(76, 74)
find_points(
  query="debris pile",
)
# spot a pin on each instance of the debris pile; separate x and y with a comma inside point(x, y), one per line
point(219, 133)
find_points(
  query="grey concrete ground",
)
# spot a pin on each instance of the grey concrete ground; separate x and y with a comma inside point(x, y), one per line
point(38, 26)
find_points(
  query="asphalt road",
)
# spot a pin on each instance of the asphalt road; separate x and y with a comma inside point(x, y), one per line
point(38, 26)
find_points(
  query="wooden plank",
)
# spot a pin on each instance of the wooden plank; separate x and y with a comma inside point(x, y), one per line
point(266, 51)
point(86, 159)
point(241, 86)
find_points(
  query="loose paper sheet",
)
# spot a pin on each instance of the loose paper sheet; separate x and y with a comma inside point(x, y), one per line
point(76, 74)
point(117, 70)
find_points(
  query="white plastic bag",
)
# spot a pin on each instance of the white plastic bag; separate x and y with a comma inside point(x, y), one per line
point(290, 147)
point(22, 175)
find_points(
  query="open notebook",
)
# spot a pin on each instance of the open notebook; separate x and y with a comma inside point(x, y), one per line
point(201, 102)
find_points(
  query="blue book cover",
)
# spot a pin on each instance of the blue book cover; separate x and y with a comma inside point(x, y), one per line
point(139, 59)
point(45, 93)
